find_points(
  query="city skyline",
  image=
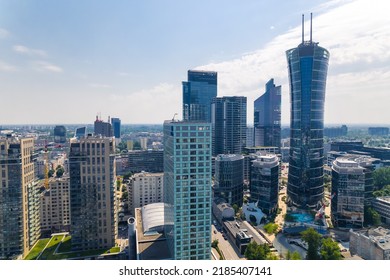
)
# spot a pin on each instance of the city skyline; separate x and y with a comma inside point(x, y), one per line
point(51, 71)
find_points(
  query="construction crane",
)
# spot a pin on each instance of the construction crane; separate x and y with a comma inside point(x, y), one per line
point(321, 212)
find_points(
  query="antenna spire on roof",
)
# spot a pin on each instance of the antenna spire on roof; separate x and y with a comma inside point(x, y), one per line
point(311, 27)
point(303, 28)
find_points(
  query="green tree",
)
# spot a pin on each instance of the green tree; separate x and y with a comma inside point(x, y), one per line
point(236, 208)
point(214, 244)
point(137, 145)
point(385, 191)
point(257, 252)
point(271, 228)
point(122, 146)
point(293, 256)
point(371, 217)
point(330, 250)
point(327, 179)
point(313, 240)
point(382, 177)
point(50, 173)
point(127, 175)
point(59, 171)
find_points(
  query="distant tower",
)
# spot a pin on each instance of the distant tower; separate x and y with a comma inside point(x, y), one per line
point(229, 124)
point(198, 92)
point(59, 134)
point(102, 128)
point(267, 116)
point(307, 68)
point(116, 126)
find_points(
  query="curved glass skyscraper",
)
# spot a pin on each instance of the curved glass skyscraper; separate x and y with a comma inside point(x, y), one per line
point(307, 66)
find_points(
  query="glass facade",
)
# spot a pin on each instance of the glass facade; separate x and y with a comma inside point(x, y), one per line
point(228, 117)
point(352, 187)
point(116, 126)
point(198, 93)
point(267, 116)
point(264, 182)
point(93, 205)
point(187, 189)
point(307, 66)
point(229, 178)
point(19, 198)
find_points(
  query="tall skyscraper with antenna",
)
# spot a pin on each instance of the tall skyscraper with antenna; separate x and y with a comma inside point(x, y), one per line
point(307, 68)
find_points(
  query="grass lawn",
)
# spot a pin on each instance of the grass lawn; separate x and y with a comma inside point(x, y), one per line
point(37, 249)
point(66, 245)
point(64, 249)
point(51, 247)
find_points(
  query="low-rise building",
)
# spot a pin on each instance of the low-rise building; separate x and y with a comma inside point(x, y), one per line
point(382, 206)
point(372, 244)
point(222, 210)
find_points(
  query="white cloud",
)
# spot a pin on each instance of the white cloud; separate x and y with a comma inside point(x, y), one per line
point(154, 104)
point(3, 33)
point(95, 85)
point(124, 74)
point(5, 67)
point(27, 51)
point(357, 35)
point(46, 67)
point(272, 27)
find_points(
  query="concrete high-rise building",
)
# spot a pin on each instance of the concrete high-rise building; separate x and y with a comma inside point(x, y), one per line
point(19, 198)
point(143, 142)
point(352, 187)
point(264, 182)
point(145, 188)
point(55, 209)
point(229, 124)
point(198, 92)
point(307, 68)
point(187, 189)
point(229, 178)
point(93, 204)
point(116, 127)
point(59, 134)
point(267, 110)
point(103, 128)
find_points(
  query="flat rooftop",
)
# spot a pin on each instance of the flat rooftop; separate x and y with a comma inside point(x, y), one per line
point(247, 228)
point(150, 247)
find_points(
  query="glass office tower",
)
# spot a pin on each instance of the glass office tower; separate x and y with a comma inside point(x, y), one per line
point(307, 66)
point(267, 116)
point(198, 93)
point(229, 178)
point(228, 117)
point(187, 189)
point(116, 126)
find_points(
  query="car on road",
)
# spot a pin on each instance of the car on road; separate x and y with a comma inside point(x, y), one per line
point(215, 232)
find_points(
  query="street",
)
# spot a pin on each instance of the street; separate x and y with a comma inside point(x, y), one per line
point(224, 245)
point(281, 244)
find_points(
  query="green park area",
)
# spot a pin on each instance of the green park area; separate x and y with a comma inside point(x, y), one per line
point(58, 247)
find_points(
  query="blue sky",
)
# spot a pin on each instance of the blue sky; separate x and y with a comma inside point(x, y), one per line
point(64, 61)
